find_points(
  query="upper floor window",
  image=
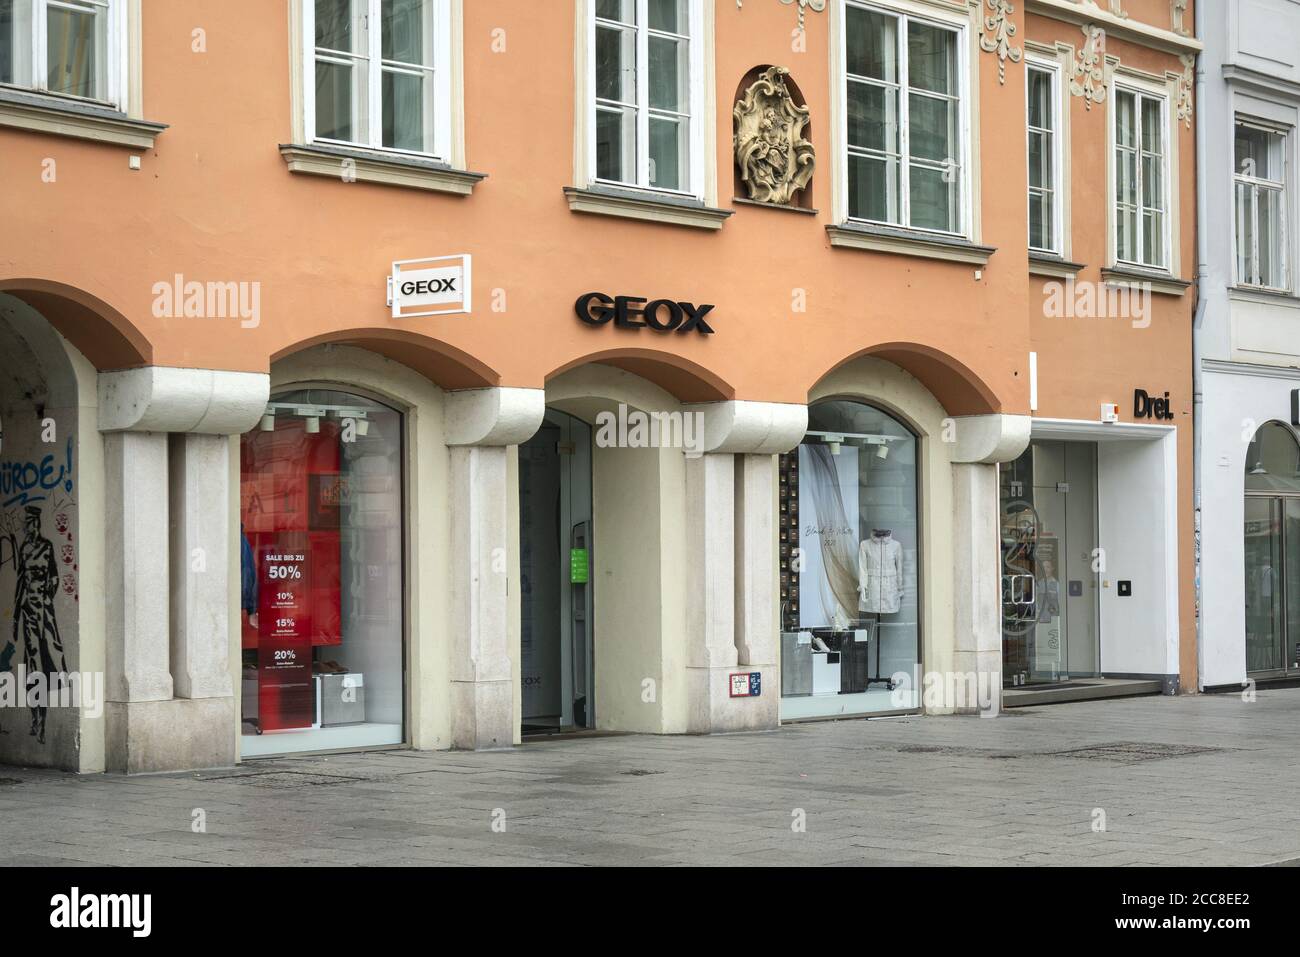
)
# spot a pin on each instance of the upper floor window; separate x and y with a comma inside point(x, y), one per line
point(904, 93)
point(648, 90)
point(378, 74)
point(1141, 175)
point(1260, 178)
point(69, 47)
point(1043, 95)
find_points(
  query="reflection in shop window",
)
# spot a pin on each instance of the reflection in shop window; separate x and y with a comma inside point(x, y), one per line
point(648, 63)
point(1260, 185)
point(904, 93)
point(380, 71)
point(850, 585)
point(1141, 173)
point(68, 47)
point(322, 575)
point(1044, 159)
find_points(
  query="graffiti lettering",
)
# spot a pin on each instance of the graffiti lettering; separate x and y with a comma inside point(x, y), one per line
point(22, 483)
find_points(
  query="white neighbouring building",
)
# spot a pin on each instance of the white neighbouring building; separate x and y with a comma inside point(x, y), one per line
point(1248, 342)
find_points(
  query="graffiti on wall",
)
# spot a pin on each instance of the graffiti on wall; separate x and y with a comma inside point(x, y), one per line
point(33, 645)
point(35, 632)
point(32, 481)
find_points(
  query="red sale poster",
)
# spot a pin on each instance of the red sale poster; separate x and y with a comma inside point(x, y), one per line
point(286, 698)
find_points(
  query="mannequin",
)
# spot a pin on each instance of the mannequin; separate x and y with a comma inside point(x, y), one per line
point(880, 573)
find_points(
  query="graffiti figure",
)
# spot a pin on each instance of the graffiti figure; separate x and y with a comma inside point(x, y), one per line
point(36, 630)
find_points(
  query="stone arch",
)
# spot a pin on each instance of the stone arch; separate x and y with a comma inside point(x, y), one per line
point(99, 331)
point(444, 365)
point(953, 384)
point(682, 379)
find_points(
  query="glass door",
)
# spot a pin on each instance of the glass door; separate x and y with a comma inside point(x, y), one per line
point(1049, 577)
point(1265, 628)
point(555, 518)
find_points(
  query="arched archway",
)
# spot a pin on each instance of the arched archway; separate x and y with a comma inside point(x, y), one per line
point(601, 513)
point(52, 510)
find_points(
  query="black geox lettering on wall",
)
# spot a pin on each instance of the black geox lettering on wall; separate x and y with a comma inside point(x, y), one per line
point(426, 287)
point(634, 312)
point(1148, 407)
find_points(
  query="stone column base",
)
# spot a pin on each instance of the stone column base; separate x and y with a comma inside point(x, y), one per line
point(712, 710)
point(176, 735)
point(484, 714)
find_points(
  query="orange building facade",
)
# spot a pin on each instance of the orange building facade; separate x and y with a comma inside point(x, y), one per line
point(437, 373)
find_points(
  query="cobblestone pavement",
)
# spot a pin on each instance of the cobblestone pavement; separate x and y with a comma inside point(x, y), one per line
point(1192, 780)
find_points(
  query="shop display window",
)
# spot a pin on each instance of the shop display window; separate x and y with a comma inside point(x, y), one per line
point(322, 575)
point(850, 585)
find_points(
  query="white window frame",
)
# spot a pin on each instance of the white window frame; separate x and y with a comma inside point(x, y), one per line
point(1256, 184)
point(965, 186)
point(1052, 68)
point(116, 48)
point(696, 168)
point(1167, 136)
point(443, 69)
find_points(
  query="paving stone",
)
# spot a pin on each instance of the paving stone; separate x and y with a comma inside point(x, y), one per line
point(1188, 780)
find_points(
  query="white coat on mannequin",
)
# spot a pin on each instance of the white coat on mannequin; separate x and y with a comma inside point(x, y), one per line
point(880, 575)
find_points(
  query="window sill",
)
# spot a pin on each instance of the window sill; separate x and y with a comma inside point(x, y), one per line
point(1263, 294)
point(1159, 282)
point(385, 169)
point(1052, 266)
point(668, 210)
point(907, 242)
point(42, 113)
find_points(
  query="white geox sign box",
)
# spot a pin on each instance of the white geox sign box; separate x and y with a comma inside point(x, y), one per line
point(440, 286)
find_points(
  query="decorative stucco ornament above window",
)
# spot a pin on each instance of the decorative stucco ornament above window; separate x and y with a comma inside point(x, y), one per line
point(1178, 17)
point(817, 6)
point(1088, 78)
point(1185, 89)
point(997, 34)
point(774, 158)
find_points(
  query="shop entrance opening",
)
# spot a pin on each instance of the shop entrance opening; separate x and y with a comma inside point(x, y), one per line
point(1050, 564)
point(555, 557)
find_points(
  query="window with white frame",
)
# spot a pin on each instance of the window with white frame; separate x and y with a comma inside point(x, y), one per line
point(72, 48)
point(1141, 177)
point(1043, 95)
point(647, 87)
point(904, 91)
point(378, 74)
point(1259, 175)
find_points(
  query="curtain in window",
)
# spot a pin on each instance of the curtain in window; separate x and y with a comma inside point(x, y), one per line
point(73, 29)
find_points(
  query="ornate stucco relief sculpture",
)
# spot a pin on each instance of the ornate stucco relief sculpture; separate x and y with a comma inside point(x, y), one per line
point(1185, 83)
point(1087, 78)
point(1178, 17)
point(774, 158)
point(997, 34)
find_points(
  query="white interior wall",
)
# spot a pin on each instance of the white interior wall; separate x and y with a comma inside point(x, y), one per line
point(1137, 493)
